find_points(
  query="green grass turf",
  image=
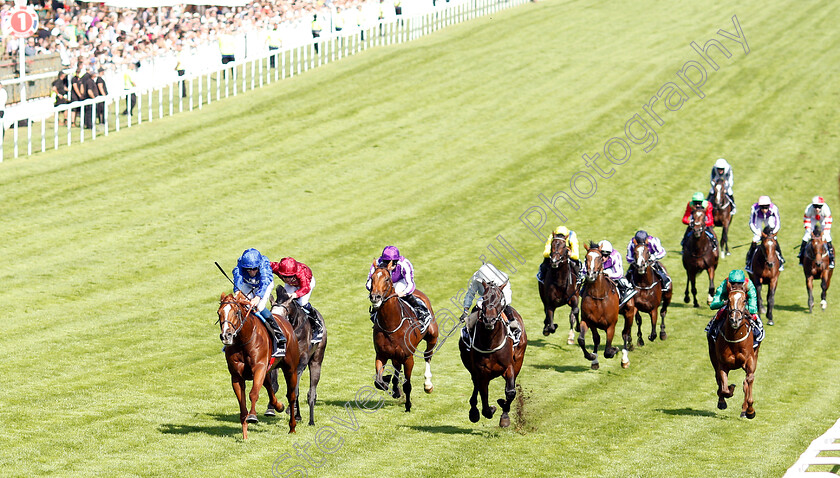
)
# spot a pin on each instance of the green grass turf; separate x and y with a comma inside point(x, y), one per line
point(111, 360)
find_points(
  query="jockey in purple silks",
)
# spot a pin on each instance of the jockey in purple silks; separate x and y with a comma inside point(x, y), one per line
point(614, 269)
point(764, 214)
point(402, 275)
point(657, 252)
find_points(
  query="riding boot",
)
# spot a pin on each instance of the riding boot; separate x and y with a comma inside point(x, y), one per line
point(576, 266)
point(732, 201)
point(279, 340)
point(315, 322)
point(625, 291)
point(542, 271)
point(419, 307)
point(802, 251)
point(830, 248)
point(711, 234)
point(781, 257)
point(512, 322)
point(749, 257)
point(663, 276)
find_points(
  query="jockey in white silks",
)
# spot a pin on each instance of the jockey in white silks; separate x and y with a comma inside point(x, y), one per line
point(723, 170)
point(817, 214)
point(488, 273)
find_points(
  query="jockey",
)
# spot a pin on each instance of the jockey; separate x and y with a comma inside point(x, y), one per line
point(657, 252)
point(298, 284)
point(764, 214)
point(571, 243)
point(818, 213)
point(252, 277)
point(614, 269)
point(722, 170)
point(402, 275)
point(697, 201)
point(490, 274)
point(737, 276)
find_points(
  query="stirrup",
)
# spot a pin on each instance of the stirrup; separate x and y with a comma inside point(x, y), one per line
point(280, 352)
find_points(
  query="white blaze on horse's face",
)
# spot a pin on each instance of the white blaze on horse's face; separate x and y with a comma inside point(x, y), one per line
point(591, 261)
point(640, 259)
point(228, 333)
point(735, 304)
point(376, 299)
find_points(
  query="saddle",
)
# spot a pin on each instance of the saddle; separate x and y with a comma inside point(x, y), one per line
point(513, 333)
point(424, 324)
point(714, 326)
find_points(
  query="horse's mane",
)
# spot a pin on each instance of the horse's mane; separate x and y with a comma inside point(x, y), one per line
point(592, 245)
point(768, 230)
point(817, 231)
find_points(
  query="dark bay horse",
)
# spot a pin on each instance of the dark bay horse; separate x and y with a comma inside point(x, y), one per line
point(492, 354)
point(733, 349)
point(558, 288)
point(311, 355)
point(650, 294)
point(765, 271)
point(815, 265)
point(599, 310)
point(699, 255)
point(722, 213)
point(248, 354)
point(396, 334)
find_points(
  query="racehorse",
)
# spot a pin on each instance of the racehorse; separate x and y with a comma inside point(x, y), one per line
point(650, 294)
point(733, 349)
point(765, 270)
point(397, 332)
point(722, 212)
point(698, 255)
point(599, 310)
point(248, 354)
point(311, 355)
point(558, 288)
point(815, 263)
point(492, 353)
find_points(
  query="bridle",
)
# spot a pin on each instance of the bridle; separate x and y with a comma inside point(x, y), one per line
point(238, 308)
point(564, 258)
point(735, 312)
point(495, 305)
point(375, 311)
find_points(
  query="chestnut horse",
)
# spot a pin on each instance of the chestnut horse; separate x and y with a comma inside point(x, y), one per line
point(558, 288)
point(491, 353)
point(248, 354)
point(599, 310)
point(311, 355)
point(698, 255)
point(733, 349)
point(650, 294)
point(396, 334)
point(722, 212)
point(765, 270)
point(815, 263)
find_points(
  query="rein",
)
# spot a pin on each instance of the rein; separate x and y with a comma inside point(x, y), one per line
point(376, 316)
point(600, 273)
point(238, 308)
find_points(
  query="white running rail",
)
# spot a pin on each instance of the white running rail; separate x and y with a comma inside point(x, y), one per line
point(828, 441)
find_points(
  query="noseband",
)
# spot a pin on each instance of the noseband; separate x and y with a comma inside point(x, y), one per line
point(238, 307)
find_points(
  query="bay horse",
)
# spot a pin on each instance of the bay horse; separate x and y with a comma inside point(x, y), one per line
point(492, 353)
point(599, 310)
point(765, 271)
point(558, 288)
point(722, 213)
point(699, 255)
point(248, 355)
point(733, 349)
point(396, 334)
point(650, 294)
point(311, 355)
point(815, 263)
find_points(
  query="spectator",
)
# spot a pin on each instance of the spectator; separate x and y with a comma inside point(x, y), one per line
point(129, 83)
point(316, 31)
point(29, 49)
point(76, 93)
point(59, 93)
point(3, 97)
point(89, 83)
point(101, 91)
point(179, 67)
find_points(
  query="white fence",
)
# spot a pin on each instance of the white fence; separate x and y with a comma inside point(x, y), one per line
point(828, 441)
point(35, 132)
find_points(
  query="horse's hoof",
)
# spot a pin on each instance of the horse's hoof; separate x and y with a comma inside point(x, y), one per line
point(595, 366)
point(311, 423)
point(722, 404)
point(728, 253)
point(770, 322)
point(270, 412)
point(380, 385)
point(590, 356)
point(823, 304)
point(663, 336)
point(489, 412)
point(640, 342)
point(571, 339)
point(625, 364)
point(750, 416)
point(696, 305)
point(429, 388)
point(630, 347)
point(281, 408)
point(504, 422)
point(743, 414)
point(474, 416)
point(709, 300)
point(687, 299)
point(396, 393)
point(652, 337)
point(610, 352)
point(252, 419)
point(546, 331)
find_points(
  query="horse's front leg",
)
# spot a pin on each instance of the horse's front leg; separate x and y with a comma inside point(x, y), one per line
point(639, 334)
point(378, 382)
point(711, 293)
point(663, 311)
point(824, 283)
point(291, 378)
point(312, 396)
point(259, 378)
point(549, 326)
point(654, 317)
point(409, 366)
point(687, 285)
point(693, 280)
point(584, 327)
point(771, 299)
point(574, 319)
point(238, 384)
point(747, 409)
point(609, 350)
point(274, 405)
point(510, 394)
point(809, 284)
point(486, 409)
point(724, 389)
point(474, 416)
point(596, 341)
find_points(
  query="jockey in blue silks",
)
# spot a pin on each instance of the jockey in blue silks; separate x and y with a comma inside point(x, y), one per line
point(253, 277)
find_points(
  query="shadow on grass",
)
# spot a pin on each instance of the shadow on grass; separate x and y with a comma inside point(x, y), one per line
point(539, 342)
point(562, 368)
point(687, 412)
point(794, 307)
point(229, 425)
point(445, 429)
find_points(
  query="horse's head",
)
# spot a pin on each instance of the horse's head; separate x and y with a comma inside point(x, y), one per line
point(233, 313)
point(768, 245)
point(559, 251)
point(381, 287)
point(594, 262)
point(737, 307)
point(698, 221)
point(642, 257)
point(817, 246)
point(491, 305)
point(284, 305)
point(719, 197)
